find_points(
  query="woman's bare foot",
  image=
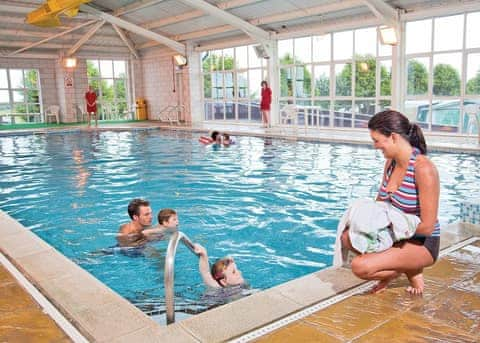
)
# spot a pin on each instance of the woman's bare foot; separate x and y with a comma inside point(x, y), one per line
point(380, 286)
point(416, 284)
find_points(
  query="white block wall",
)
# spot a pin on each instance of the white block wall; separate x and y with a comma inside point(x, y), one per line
point(46, 68)
point(158, 83)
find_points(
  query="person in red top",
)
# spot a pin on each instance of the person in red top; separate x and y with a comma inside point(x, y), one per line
point(265, 103)
point(91, 99)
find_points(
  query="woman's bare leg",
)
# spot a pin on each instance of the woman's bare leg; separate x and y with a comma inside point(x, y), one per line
point(264, 118)
point(416, 282)
point(407, 257)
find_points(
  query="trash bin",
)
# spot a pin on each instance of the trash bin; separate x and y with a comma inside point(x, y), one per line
point(141, 109)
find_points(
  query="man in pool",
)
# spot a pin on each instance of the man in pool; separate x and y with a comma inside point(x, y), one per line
point(223, 273)
point(140, 230)
point(132, 234)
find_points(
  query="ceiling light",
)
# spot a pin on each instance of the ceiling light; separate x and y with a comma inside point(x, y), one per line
point(388, 35)
point(70, 62)
point(180, 60)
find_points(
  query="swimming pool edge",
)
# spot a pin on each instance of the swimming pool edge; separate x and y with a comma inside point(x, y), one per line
point(102, 315)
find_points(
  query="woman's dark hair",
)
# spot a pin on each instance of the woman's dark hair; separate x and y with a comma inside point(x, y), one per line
point(389, 121)
point(214, 135)
point(264, 83)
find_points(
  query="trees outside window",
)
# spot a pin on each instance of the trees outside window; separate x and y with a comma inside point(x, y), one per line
point(231, 83)
point(435, 52)
point(20, 93)
point(108, 78)
point(356, 64)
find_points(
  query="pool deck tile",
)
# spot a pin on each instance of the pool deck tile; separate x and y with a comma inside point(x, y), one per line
point(449, 310)
point(410, 327)
point(156, 333)
point(301, 332)
point(21, 318)
point(235, 318)
point(311, 288)
point(23, 244)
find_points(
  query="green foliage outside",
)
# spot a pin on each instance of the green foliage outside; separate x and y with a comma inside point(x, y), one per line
point(446, 80)
point(417, 81)
point(110, 94)
point(31, 102)
point(473, 85)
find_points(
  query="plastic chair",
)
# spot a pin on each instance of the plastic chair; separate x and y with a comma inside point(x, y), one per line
point(81, 114)
point(53, 111)
point(473, 112)
point(289, 113)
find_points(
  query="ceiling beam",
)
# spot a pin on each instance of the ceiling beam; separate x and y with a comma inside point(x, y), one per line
point(311, 11)
point(383, 11)
point(253, 31)
point(307, 12)
point(135, 6)
point(85, 38)
point(52, 37)
point(14, 44)
point(16, 8)
point(41, 34)
point(136, 29)
point(34, 56)
point(126, 40)
point(194, 14)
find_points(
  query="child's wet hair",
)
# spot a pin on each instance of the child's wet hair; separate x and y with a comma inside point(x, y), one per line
point(218, 268)
point(165, 214)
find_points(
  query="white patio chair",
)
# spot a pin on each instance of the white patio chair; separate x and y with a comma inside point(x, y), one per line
point(473, 112)
point(289, 113)
point(52, 111)
point(81, 114)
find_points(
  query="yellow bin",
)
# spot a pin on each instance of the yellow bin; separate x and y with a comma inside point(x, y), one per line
point(141, 109)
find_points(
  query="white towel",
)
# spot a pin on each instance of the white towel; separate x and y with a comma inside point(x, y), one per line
point(373, 227)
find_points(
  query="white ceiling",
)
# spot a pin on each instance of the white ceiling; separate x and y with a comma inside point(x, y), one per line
point(177, 21)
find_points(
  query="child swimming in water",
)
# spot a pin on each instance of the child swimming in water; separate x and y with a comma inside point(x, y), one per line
point(224, 271)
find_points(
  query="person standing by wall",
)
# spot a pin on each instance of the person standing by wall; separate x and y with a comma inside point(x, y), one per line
point(91, 99)
point(265, 103)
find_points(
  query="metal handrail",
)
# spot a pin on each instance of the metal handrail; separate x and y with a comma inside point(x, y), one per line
point(169, 271)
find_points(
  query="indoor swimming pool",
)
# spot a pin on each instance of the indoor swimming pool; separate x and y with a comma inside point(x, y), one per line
point(271, 204)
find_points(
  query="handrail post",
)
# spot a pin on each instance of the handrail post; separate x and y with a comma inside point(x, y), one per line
point(169, 272)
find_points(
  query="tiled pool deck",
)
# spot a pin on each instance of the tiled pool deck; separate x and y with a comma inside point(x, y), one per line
point(449, 310)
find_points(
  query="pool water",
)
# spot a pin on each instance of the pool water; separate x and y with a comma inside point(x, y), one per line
point(271, 204)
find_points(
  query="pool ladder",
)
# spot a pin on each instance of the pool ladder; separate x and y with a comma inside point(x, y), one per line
point(169, 271)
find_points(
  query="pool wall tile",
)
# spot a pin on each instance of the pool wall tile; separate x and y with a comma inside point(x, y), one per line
point(470, 212)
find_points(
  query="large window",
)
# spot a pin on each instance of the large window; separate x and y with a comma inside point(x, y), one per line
point(109, 80)
point(339, 79)
point(443, 71)
point(20, 94)
point(231, 83)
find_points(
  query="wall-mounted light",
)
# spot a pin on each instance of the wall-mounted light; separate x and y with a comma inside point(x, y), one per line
point(180, 60)
point(388, 35)
point(70, 62)
point(363, 66)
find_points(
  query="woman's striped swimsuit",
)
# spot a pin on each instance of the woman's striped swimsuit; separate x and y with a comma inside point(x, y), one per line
point(405, 198)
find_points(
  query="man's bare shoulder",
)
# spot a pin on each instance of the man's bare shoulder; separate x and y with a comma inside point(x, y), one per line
point(127, 228)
